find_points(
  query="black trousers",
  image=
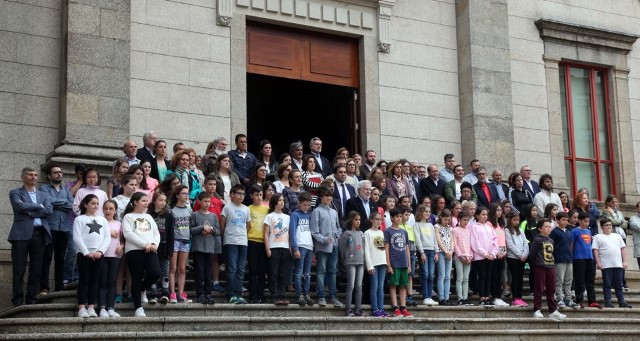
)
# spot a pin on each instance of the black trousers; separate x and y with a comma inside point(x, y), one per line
point(584, 277)
point(496, 278)
point(516, 267)
point(202, 269)
point(483, 269)
point(257, 258)
point(21, 251)
point(89, 277)
point(279, 264)
point(57, 248)
point(145, 270)
point(107, 284)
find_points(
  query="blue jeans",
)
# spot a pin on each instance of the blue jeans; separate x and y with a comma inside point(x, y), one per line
point(376, 294)
point(236, 262)
point(612, 278)
point(326, 266)
point(426, 273)
point(444, 276)
point(70, 265)
point(303, 270)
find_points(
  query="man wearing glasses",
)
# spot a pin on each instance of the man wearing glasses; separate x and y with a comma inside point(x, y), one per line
point(362, 204)
point(531, 186)
point(62, 203)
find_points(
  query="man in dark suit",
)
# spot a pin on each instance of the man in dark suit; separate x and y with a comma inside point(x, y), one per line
point(342, 191)
point(532, 186)
point(486, 192)
point(322, 163)
point(432, 184)
point(501, 188)
point(147, 152)
point(368, 163)
point(28, 236)
point(361, 204)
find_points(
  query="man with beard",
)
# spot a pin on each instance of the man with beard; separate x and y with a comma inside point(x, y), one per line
point(369, 163)
point(62, 203)
point(446, 174)
point(208, 161)
point(546, 196)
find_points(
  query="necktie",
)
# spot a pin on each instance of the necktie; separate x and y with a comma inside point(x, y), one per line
point(344, 199)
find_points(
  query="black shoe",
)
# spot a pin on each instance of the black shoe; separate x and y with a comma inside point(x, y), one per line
point(625, 305)
point(210, 299)
point(461, 302)
point(202, 299)
point(443, 303)
point(608, 304)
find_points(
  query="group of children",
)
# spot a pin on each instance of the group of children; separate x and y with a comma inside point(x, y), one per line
point(158, 235)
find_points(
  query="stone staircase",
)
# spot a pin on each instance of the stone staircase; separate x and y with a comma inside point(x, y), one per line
point(54, 319)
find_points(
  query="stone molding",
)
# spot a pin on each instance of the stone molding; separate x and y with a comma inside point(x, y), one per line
point(384, 23)
point(224, 12)
point(585, 36)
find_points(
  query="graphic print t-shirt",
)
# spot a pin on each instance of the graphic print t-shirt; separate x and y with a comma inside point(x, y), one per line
point(397, 240)
point(278, 230)
point(581, 240)
point(235, 231)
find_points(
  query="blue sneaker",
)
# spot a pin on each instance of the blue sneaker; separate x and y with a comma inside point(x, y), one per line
point(118, 299)
point(217, 287)
point(234, 300)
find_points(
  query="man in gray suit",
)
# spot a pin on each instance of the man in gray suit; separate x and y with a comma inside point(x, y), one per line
point(28, 236)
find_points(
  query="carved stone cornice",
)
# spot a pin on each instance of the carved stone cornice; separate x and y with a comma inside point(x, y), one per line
point(585, 36)
point(384, 25)
point(224, 12)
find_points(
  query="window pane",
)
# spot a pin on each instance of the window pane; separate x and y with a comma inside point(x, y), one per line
point(582, 118)
point(586, 175)
point(567, 173)
point(565, 115)
point(603, 131)
point(605, 180)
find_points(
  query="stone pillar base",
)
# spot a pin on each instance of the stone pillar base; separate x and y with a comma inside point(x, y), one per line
point(68, 154)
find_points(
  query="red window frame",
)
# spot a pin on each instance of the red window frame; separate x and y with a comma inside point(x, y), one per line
point(572, 158)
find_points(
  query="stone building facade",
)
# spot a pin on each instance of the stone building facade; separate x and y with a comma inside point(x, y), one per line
point(479, 79)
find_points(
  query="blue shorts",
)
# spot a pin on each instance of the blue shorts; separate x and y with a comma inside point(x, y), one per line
point(181, 246)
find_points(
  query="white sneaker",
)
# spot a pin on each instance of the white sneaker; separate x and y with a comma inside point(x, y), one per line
point(143, 297)
point(140, 312)
point(83, 313)
point(104, 313)
point(556, 315)
point(500, 302)
point(92, 312)
point(429, 301)
point(538, 314)
point(113, 313)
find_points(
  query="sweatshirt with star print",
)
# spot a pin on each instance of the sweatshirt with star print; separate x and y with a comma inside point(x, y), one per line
point(91, 234)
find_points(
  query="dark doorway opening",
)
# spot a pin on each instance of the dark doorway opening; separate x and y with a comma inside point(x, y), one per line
point(286, 110)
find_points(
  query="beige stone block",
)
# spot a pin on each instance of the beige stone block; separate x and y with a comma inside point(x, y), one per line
point(209, 75)
point(634, 88)
point(405, 77)
point(138, 65)
point(315, 11)
point(328, 13)
point(238, 78)
point(167, 69)
point(342, 16)
point(525, 9)
point(529, 73)
point(527, 139)
point(203, 20)
point(354, 18)
point(258, 4)
point(84, 19)
point(190, 99)
point(423, 150)
point(23, 18)
point(54, 4)
point(197, 46)
point(426, 10)
point(425, 56)
point(29, 79)
point(27, 139)
point(236, 106)
point(220, 49)
point(523, 28)
point(273, 5)
point(408, 30)
point(8, 46)
point(530, 117)
point(147, 94)
point(148, 38)
point(29, 110)
point(397, 100)
point(36, 50)
point(211, 126)
point(101, 81)
point(115, 24)
point(287, 7)
point(139, 11)
point(82, 109)
point(168, 14)
point(540, 162)
point(526, 50)
point(447, 14)
point(444, 130)
point(529, 95)
point(301, 9)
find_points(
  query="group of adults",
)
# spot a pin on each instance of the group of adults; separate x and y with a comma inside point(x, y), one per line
point(43, 217)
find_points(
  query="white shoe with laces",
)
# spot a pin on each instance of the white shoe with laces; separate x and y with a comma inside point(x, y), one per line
point(92, 312)
point(500, 302)
point(556, 315)
point(113, 313)
point(538, 314)
point(83, 313)
point(143, 297)
point(140, 312)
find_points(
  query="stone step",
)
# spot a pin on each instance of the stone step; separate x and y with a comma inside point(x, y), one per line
point(69, 296)
point(246, 323)
point(61, 310)
point(355, 334)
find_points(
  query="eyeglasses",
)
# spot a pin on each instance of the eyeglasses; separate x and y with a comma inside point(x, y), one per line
point(239, 193)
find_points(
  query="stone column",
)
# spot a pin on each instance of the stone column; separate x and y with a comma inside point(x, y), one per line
point(94, 99)
point(484, 69)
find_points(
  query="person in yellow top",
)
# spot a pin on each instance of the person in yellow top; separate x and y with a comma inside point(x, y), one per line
point(256, 254)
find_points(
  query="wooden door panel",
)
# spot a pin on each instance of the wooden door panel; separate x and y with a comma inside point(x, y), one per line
point(297, 54)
